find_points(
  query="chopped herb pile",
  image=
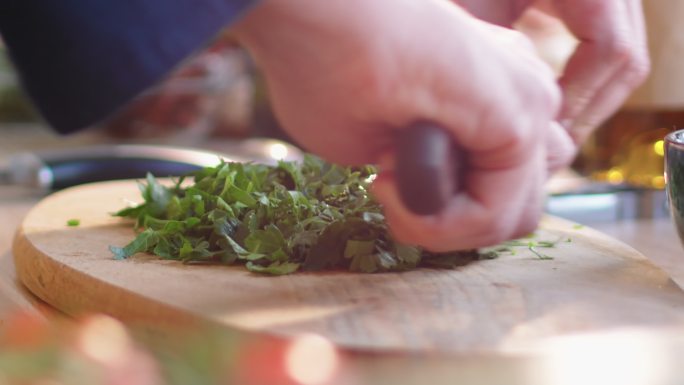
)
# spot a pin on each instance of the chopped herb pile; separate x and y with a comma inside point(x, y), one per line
point(73, 222)
point(275, 220)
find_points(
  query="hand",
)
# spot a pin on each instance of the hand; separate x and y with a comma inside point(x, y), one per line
point(345, 76)
point(610, 61)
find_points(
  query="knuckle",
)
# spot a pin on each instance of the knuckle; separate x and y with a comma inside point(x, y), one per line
point(632, 60)
point(623, 53)
point(618, 52)
point(637, 70)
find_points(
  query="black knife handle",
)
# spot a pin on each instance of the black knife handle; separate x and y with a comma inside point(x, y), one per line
point(71, 172)
point(427, 169)
point(61, 168)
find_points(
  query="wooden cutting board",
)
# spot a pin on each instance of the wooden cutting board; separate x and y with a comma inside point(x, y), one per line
point(593, 282)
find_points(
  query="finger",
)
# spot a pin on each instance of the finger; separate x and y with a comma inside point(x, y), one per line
point(443, 232)
point(533, 207)
point(496, 205)
point(608, 63)
point(605, 102)
point(495, 11)
point(560, 148)
point(633, 71)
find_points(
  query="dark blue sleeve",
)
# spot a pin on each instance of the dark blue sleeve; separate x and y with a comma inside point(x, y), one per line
point(80, 60)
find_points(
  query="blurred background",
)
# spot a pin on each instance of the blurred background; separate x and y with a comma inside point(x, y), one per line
point(217, 100)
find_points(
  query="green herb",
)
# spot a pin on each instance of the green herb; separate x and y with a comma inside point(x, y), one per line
point(529, 242)
point(274, 220)
point(538, 254)
point(73, 222)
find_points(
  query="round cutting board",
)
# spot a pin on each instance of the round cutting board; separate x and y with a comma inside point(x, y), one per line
point(591, 282)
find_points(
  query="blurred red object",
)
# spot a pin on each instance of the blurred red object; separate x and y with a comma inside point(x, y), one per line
point(26, 330)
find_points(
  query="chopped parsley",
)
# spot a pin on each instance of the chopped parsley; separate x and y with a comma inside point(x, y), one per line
point(306, 216)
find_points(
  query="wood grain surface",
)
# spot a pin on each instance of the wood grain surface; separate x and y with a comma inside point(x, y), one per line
point(592, 283)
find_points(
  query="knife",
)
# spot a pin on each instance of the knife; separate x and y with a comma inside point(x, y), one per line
point(428, 168)
point(57, 169)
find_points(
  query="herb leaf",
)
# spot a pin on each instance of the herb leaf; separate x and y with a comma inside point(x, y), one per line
point(275, 220)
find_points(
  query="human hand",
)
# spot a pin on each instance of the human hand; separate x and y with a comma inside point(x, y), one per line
point(345, 77)
point(609, 62)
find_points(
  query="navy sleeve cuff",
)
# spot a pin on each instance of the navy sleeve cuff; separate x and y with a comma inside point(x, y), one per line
point(80, 60)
